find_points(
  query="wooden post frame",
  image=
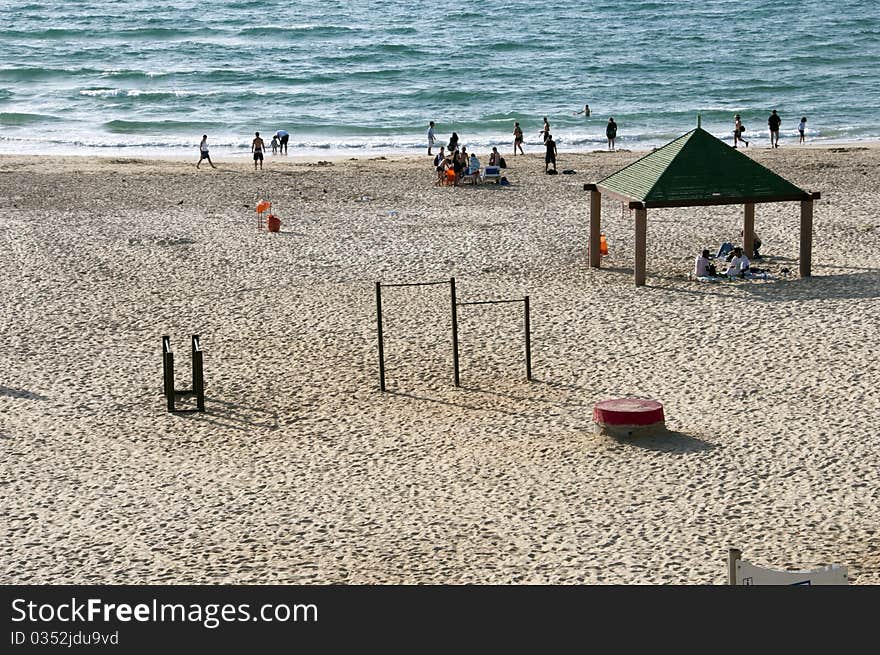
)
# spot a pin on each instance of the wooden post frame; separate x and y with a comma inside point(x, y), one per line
point(749, 229)
point(641, 245)
point(198, 376)
point(806, 246)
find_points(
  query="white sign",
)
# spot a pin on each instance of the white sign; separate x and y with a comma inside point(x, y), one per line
point(749, 574)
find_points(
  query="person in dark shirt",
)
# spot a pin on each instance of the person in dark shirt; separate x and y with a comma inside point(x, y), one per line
point(550, 157)
point(611, 132)
point(774, 122)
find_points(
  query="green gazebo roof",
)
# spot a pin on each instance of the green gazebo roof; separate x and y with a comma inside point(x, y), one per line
point(699, 169)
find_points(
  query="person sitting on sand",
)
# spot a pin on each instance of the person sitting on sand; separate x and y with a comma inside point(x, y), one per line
point(473, 165)
point(739, 264)
point(756, 245)
point(703, 267)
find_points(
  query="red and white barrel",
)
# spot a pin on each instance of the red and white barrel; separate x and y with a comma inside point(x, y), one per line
point(628, 416)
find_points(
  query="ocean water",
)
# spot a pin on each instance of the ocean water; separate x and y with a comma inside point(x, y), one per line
point(150, 77)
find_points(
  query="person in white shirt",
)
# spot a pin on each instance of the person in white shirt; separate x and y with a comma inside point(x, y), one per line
point(702, 266)
point(802, 127)
point(739, 264)
point(203, 152)
point(431, 139)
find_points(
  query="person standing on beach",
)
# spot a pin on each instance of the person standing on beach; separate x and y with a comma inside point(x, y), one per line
point(517, 139)
point(203, 152)
point(550, 157)
point(611, 132)
point(774, 122)
point(283, 137)
point(545, 131)
point(430, 136)
point(257, 146)
point(738, 130)
point(802, 127)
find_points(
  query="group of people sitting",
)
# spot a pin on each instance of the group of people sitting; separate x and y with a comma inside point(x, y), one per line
point(453, 163)
point(738, 264)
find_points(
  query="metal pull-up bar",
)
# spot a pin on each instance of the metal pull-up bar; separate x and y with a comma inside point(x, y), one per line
point(380, 335)
point(454, 305)
point(526, 321)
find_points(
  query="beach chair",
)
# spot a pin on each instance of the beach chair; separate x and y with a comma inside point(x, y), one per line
point(469, 177)
point(491, 173)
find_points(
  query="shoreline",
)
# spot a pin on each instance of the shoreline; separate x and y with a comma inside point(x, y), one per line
point(245, 158)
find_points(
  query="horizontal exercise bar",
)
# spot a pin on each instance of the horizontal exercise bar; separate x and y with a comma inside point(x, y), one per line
point(414, 284)
point(491, 302)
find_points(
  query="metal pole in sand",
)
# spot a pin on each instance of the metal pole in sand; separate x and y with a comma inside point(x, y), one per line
point(454, 333)
point(528, 340)
point(379, 335)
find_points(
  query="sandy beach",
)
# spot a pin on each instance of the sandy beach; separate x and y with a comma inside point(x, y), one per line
point(301, 471)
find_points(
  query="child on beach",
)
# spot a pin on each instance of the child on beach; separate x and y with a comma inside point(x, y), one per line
point(802, 127)
point(274, 145)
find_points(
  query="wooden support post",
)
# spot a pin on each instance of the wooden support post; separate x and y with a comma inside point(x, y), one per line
point(168, 372)
point(454, 333)
point(595, 228)
point(198, 373)
point(528, 328)
point(806, 254)
point(749, 230)
point(379, 336)
point(733, 556)
point(641, 245)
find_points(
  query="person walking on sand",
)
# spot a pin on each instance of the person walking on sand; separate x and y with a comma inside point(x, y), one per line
point(545, 131)
point(611, 132)
point(738, 130)
point(203, 152)
point(802, 127)
point(431, 138)
point(257, 146)
point(774, 122)
point(550, 157)
point(517, 139)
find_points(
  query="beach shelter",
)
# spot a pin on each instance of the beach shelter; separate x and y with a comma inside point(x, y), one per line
point(696, 169)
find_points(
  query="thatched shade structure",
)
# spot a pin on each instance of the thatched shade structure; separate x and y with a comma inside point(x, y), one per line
point(693, 170)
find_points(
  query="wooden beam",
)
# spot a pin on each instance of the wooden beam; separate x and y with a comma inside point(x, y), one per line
point(749, 229)
point(806, 254)
point(595, 228)
point(641, 245)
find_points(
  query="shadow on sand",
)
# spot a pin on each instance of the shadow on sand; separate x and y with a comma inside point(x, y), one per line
point(667, 441)
point(20, 393)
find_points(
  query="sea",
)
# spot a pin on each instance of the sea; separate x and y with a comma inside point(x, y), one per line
point(149, 77)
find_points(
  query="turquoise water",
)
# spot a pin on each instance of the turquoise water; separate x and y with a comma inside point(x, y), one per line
point(357, 77)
